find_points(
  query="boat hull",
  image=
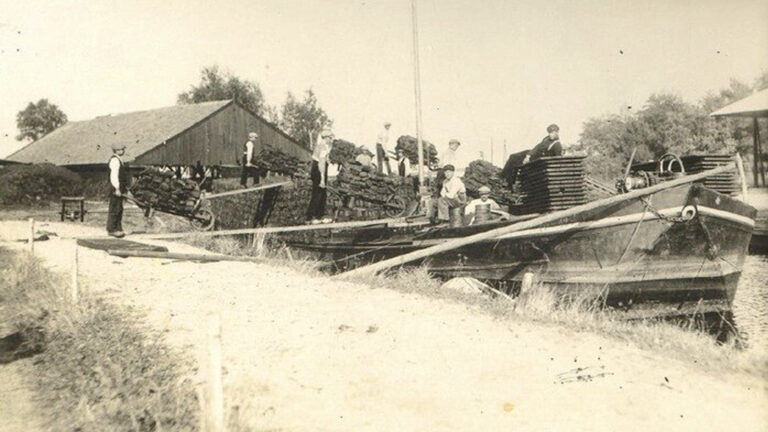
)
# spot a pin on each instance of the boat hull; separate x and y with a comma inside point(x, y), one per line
point(634, 255)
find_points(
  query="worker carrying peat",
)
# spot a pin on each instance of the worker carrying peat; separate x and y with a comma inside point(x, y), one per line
point(118, 182)
point(248, 168)
point(453, 194)
point(549, 146)
point(319, 176)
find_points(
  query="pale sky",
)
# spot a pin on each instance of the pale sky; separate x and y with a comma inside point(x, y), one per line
point(496, 69)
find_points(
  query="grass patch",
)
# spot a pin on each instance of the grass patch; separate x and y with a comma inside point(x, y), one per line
point(100, 368)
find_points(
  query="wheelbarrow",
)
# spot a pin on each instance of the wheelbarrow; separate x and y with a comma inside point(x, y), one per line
point(201, 219)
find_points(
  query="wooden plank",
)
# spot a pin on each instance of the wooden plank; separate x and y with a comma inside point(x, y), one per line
point(106, 243)
point(547, 218)
point(269, 230)
point(125, 253)
point(241, 191)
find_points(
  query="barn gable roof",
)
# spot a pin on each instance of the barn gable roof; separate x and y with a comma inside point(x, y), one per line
point(90, 141)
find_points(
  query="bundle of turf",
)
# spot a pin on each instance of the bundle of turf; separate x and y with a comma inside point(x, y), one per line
point(481, 173)
point(283, 206)
point(344, 152)
point(271, 159)
point(409, 144)
point(164, 192)
point(369, 185)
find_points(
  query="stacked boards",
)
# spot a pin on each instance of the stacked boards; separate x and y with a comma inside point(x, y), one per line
point(725, 183)
point(552, 183)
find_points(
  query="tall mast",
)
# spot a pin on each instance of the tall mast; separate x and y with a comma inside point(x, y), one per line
point(417, 91)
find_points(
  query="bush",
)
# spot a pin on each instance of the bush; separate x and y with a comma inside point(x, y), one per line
point(37, 184)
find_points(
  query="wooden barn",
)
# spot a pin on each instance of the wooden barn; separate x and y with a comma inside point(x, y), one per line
point(212, 133)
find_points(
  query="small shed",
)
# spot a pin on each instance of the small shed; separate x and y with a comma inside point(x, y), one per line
point(754, 106)
point(212, 133)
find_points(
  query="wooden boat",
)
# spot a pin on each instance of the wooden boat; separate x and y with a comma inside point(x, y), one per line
point(673, 253)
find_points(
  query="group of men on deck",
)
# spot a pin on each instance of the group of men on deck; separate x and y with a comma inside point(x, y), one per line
point(452, 192)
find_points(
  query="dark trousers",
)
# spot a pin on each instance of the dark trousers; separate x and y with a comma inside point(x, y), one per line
point(248, 171)
point(316, 208)
point(115, 214)
point(381, 159)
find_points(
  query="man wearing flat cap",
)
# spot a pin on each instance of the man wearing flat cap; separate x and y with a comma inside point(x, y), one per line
point(452, 194)
point(248, 168)
point(119, 180)
point(549, 146)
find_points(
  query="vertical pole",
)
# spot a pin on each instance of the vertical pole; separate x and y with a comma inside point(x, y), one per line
point(759, 150)
point(491, 150)
point(504, 160)
point(527, 283)
point(754, 150)
point(417, 91)
point(31, 240)
point(742, 177)
point(75, 289)
point(215, 398)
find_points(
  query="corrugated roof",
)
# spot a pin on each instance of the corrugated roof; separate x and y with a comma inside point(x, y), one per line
point(90, 141)
point(755, 105)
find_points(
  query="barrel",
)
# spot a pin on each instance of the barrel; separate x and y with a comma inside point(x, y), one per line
point(482, 212)
point(457, 217)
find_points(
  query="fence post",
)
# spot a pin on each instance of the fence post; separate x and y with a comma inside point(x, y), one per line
point(215, 397)
point(527, 283)
point(75, 289)
point(31, 240)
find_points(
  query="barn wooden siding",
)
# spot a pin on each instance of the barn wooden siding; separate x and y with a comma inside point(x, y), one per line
point(220, 139)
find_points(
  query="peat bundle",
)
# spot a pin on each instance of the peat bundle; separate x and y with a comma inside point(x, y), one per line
point(369, 185)
point(411, 149)
point(276, 161)
point(162, 191)
point(343, 152)
point(281, 206)
point(481, 173)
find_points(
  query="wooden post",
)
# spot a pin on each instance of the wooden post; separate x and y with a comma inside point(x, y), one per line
point(527, 283)
point(550, 217)
point(31, 240)
point(75, 289)
point(742, 176)
point(754, 150)
point(759, 150)
point(214, 412)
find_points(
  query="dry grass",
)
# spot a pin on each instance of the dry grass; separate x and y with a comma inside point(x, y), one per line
point(100, 369)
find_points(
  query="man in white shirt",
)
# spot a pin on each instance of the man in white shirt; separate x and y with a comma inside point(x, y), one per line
point(319, 176)
point(450, 155)
point(382, 147)
point(485, 198)
point(248, 168)
point(452, 194)
point(118, 180)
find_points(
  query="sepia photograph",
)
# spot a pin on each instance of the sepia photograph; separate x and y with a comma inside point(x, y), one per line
point(383, 215)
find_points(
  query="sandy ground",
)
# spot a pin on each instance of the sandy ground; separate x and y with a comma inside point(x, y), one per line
point(18, 411)
point(304, 353)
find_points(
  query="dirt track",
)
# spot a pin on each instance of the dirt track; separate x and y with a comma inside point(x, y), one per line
point(305, 353)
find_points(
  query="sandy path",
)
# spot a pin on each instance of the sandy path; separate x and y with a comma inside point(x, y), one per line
point(306, 353)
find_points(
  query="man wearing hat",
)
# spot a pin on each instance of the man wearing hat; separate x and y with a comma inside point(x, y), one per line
point(319, 176)
point(452, 194)
point(382, 147)
point(485, 198)
point(248, 168)
point(549, 146)
point(118, 181)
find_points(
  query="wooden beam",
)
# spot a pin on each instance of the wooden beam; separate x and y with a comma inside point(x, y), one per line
point(755, 156)
point(266, 230)
point(759, 151)
point(241, 191)
point(550, 217)
point(125, 253)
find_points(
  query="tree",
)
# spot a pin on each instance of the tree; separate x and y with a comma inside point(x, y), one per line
point(38, 120)
point(304, 119)
point(215, 85)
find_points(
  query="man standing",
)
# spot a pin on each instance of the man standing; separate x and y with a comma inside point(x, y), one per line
point(118, 180)
point(452, 194)
point(549, 146)
point(485, 198)
point(450, 156)
point(403, 164)
point(382, 147)
point(319, 176)
point(248, 169)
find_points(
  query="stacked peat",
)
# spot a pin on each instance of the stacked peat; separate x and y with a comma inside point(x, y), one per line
point(164, 192)
point(271, 159)
point(367, 184)
point(552, 183)
point(481, 173)
point(281, 206)
point(410, 146)
point(726, 182)
point(344, 152)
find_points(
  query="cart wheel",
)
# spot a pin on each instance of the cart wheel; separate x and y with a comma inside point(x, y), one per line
point(394, 207)
point(203, 220)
